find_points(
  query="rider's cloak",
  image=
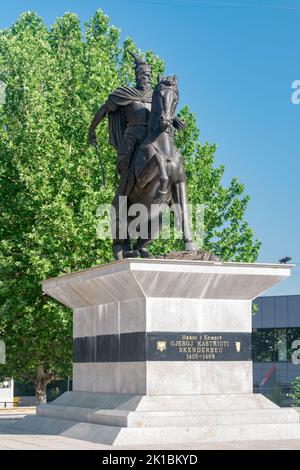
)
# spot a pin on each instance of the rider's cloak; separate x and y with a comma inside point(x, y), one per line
point(117, 100)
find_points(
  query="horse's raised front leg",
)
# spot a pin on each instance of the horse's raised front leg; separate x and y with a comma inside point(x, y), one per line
point(186, 226)
point(163, 176)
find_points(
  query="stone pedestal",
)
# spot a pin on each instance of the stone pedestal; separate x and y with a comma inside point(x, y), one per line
point(162, 354)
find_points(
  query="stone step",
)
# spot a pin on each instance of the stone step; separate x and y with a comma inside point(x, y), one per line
point(120, 436)
point(126, 418)
point(107, 401)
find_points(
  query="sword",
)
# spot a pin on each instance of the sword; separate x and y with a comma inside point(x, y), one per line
point(95, 144)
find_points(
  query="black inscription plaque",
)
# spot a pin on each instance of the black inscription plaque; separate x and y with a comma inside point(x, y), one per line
point(199, 347)
point(163, 346)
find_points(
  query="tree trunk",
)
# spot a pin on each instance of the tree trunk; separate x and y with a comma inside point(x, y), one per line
point(41, 382)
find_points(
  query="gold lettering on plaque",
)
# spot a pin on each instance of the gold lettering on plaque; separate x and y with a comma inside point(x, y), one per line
point(202, 346)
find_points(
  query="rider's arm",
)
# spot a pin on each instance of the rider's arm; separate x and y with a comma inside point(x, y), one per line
point(100, 114)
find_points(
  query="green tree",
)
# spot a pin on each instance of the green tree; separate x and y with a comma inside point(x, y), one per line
point(296, 392)
point(50, 183)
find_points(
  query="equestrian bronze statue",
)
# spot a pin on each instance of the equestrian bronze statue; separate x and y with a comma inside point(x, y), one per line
point(141, 129)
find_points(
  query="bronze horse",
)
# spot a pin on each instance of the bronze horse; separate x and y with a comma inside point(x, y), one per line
point(156, 173)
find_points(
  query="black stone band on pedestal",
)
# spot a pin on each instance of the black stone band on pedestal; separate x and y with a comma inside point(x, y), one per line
point(163, 346)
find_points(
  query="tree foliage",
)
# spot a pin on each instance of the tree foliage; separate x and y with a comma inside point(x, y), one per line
point(296, 391)
point(50, 183)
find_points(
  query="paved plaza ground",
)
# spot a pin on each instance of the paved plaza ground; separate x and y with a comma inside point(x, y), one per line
point(13, 439)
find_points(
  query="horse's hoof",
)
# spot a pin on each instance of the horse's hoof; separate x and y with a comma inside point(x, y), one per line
point(131, 254)
point(162, 196)
point(118, 252)
point(144, 253)
point(190, 246)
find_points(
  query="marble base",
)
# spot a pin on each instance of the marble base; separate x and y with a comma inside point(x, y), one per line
point(162, 354)
point(119, 420)
point(129, 314)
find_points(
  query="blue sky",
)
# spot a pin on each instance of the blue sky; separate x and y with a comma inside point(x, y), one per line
point(235, 61)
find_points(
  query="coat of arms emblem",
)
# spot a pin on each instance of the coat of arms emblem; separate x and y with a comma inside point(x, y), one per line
point(161, 346)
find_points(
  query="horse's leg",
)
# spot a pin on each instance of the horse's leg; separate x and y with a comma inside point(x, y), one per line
point(119, 227)
point(187, 232)
point(142, 245)
point(127, 245)
point(154, 226)
point(163, 175)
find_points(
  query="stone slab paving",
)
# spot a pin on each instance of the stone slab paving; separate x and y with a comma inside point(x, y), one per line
point(12, 439)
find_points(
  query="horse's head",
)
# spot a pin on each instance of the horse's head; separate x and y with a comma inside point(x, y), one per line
point(164, 101)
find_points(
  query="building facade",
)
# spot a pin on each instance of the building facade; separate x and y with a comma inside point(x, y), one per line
point(276, 341)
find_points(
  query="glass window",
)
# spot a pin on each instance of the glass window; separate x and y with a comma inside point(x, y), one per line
point(280, 345)
point(263, 345)
point(291, 335)
point(274, 345)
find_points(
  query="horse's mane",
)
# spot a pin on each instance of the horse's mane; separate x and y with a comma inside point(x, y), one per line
point(169, 81)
